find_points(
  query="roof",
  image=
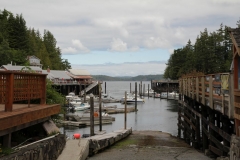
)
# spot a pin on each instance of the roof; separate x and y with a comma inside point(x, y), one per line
point(79, 72)
point(79, 77)
point(236, 35)
point(56, 74)
point(10, 67)
point(28, 57)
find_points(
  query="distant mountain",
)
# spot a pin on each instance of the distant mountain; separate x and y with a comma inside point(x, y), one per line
point(128, 78)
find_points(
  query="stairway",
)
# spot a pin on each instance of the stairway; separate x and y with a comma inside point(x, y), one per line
point(90, 87)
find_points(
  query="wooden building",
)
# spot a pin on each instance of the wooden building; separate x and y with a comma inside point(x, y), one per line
point(209, 108)
point(17, 88)
point(235, 36)
point(165, 85)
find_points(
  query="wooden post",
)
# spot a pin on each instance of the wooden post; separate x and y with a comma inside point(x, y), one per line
point(100, 106)
point(105, 87)
point(148, 90)
point(91, 116)
point(167, 89)
point(125, 113)
point(141, 89)
point(198, 138)
point(130, 88)
point(204, 127)
point(179, 120)
point(7, 140)
point(84, 92)
point(9, 97)
point(135, 96)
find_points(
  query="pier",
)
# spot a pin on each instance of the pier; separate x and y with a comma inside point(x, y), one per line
point(209, 108)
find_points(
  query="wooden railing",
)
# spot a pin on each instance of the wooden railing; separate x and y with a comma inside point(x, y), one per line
point(214, 90)
point(17, 86)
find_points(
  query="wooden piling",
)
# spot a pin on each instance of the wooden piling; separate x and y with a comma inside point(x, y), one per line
point(91, 116)
point(148, 90)
point(100, 106)
point(84, 92)
point(105, 87)
point(135, 96)
point(130, 88)
point(125, 113)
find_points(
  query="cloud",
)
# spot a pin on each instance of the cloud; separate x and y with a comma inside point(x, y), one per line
point(118, 45)
point(79, 48)
point(69, 50)
point(156, 42)
point(78, 44)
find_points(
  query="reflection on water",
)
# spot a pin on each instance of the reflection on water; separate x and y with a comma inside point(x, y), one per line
point(154, 114)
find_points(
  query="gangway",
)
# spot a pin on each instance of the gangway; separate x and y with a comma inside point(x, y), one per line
point(94, 84)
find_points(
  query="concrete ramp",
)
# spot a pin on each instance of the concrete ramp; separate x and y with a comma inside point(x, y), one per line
point(82, 148)
point(99, 142)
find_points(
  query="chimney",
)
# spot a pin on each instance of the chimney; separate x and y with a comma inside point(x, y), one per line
point(48, 69)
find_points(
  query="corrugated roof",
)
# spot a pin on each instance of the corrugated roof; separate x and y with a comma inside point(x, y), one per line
point(56, 74)
point(79, 72)
point(10, 67)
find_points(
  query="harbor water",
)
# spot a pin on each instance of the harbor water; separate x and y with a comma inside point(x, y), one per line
point(155, 114)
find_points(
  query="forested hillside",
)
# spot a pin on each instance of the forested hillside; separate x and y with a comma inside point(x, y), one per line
point(17, 42)
point(136, 78)
point(211, 53)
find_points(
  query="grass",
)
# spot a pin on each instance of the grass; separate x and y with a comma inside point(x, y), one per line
point(124, 143)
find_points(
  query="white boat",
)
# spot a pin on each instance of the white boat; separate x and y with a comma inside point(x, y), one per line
point(80, 106)
point(131, 99)
point(170, 95)
point(151, 93)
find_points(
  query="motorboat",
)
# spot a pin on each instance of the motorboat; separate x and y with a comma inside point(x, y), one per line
point(80, 106)
point(132, 99)
point(151, 93)
point(170, 95)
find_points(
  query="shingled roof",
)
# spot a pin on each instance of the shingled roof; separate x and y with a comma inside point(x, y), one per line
point(236, 35)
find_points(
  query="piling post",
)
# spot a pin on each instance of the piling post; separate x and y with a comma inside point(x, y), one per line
point(148, 90)
point(84, 92)
point(139, 90)
point(204, 128)
point(135, 96)
point(100, 106)
point(125, 113)
point(91, 116)
point(80, 89)
point(105, 87)
point(130, 88)
point(143, 89)
point(198, 138)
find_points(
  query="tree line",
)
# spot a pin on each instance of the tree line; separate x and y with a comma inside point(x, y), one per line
point(17, 42)
point(211, 53)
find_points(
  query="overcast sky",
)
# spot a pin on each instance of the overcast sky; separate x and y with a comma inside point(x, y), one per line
point(124, 37)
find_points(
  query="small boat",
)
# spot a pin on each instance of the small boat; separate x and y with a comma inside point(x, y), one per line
point(80, 106)
point(151, 93)
point(170, 95)
point(131, 99)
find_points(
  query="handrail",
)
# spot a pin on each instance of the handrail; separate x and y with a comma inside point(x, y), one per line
point(19, 86)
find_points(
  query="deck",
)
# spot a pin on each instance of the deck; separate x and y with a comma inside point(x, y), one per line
point(22, 114)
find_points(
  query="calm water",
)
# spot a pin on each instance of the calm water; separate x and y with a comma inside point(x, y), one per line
point(154, 114)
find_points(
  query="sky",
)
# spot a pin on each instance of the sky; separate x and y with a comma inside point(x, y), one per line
point(126, 37)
